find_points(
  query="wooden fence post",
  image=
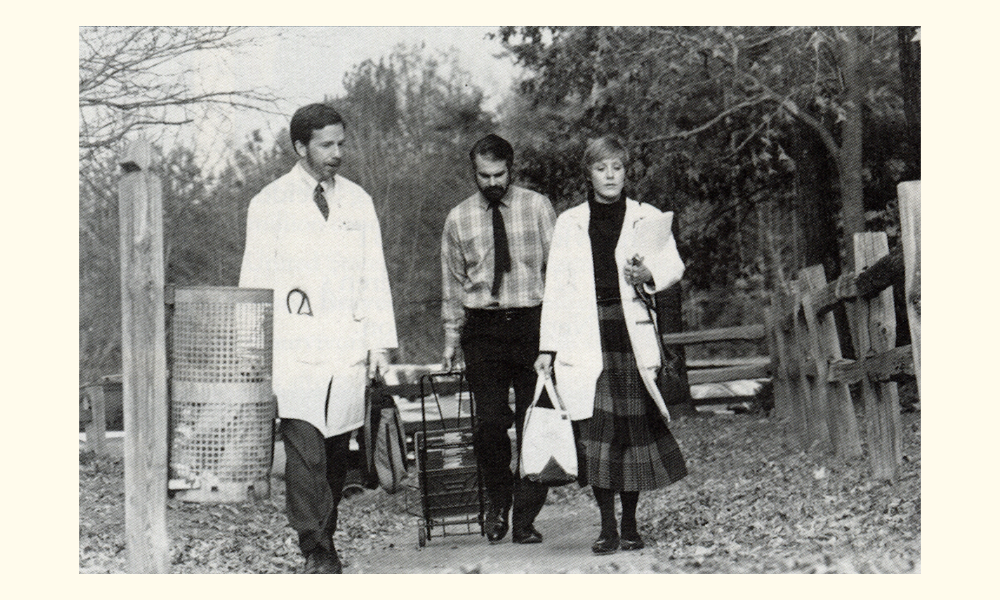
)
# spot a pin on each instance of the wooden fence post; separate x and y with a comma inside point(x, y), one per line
point(793, 407)
point(909, 221)
point(873, 330)
point(814, 399)
point(802, 401)
point(97, 428)
point(775, 345)
point(144, 375)
point(834, 397)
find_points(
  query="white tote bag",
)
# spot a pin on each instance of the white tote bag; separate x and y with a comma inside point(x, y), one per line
point(548, 447)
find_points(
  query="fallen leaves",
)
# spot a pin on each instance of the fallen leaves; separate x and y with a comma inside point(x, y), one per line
point(751, 504)
point(766, 509)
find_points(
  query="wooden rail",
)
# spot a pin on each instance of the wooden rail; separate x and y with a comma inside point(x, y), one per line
point(886, 366)
point(722, 374)
point(723, 334)
point(750, 368)
point(96, 427)
point(755, 367)
point(811, 376)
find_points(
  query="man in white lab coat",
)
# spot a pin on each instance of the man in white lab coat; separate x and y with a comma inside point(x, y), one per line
point(313, 237)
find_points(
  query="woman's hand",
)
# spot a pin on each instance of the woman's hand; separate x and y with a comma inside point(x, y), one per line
point(543, 364)
point(637, 273)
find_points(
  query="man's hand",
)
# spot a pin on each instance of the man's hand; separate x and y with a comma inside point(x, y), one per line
point(378, 360)
point(448, 360)
point(543, 364)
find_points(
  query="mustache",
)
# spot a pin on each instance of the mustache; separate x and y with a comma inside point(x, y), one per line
point(494, 192)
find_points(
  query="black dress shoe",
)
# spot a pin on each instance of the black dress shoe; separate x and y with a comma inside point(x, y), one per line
point(528, 535)
point(312, 563)
point(605, 545)
point(496, 523)
point(332, 563)
point(632, 541)
point(322, 561)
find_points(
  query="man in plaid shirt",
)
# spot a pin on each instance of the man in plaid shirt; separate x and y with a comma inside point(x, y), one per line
point(493, 254)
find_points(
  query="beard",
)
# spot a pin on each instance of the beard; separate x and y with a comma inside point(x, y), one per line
point(325, 169)
point(493, 193)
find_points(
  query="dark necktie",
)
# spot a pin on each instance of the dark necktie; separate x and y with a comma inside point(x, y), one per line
point(501, 251)
point(320, 200)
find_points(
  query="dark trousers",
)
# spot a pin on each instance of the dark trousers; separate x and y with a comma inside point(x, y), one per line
point(500, 347)
point(315, 470)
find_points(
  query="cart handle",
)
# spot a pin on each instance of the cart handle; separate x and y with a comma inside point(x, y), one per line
point(430, 377)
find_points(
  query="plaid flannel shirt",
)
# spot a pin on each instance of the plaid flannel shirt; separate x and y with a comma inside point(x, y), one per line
point(467, 256)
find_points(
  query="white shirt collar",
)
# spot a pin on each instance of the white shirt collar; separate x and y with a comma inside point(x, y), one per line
point(309, 180)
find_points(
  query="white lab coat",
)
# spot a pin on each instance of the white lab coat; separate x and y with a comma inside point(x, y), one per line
point(339, 265)
point(569, 311)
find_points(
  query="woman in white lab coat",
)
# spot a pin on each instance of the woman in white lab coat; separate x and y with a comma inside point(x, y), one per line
point(597, 337)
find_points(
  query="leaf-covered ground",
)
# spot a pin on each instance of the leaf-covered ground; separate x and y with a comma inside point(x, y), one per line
point(751, 504)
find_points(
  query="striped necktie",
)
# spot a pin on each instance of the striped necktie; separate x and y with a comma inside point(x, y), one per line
point(320, 200)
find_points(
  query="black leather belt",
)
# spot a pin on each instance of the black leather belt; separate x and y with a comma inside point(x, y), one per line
point(500, 314)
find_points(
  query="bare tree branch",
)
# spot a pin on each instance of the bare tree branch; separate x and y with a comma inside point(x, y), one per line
point(680, 135)
point(793, 109)
point(136, 77)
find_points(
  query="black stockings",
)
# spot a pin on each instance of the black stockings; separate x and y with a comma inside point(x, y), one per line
point(629, 501)
point(606, 503)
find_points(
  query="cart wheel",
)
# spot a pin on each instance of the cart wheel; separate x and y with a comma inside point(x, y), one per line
point(421, 538)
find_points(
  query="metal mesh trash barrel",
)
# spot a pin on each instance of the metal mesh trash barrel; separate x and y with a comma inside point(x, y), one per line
point(222, 408)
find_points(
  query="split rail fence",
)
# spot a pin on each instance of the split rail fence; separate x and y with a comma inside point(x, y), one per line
point(811, 378)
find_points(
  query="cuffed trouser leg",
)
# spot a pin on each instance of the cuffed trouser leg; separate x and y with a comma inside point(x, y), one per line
point(337, 449)
point(315, 469)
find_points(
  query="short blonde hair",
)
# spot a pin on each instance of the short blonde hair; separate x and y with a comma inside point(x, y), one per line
point(604, 147)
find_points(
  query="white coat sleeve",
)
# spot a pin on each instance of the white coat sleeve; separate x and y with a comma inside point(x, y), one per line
point(665, 265)
point(260, 250)
point(376, 295)
point(557, 274)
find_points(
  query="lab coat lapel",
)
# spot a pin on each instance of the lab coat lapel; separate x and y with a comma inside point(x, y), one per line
point(642, 333)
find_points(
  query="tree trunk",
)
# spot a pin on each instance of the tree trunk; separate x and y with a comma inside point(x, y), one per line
point(909, 70)
point(849, 165)
point(816, 202)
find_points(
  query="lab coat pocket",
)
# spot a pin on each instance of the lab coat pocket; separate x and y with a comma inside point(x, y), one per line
point(642, 334)
point(299, 337)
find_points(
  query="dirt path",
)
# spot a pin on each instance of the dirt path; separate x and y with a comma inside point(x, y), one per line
point(568, 535)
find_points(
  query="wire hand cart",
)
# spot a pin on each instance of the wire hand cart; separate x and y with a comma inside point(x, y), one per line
point(449, 485)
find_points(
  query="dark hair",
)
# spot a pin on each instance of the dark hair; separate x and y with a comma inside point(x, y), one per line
point(495, 147)
point(310, 118)
point(606, 146)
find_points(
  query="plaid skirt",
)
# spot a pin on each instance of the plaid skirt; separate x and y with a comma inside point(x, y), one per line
point(625, 445)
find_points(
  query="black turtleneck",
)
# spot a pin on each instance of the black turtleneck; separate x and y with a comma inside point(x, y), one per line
point(604, 228)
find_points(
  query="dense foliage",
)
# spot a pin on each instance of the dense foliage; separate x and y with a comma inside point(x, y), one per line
point(755, 136)
point(769, 142)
